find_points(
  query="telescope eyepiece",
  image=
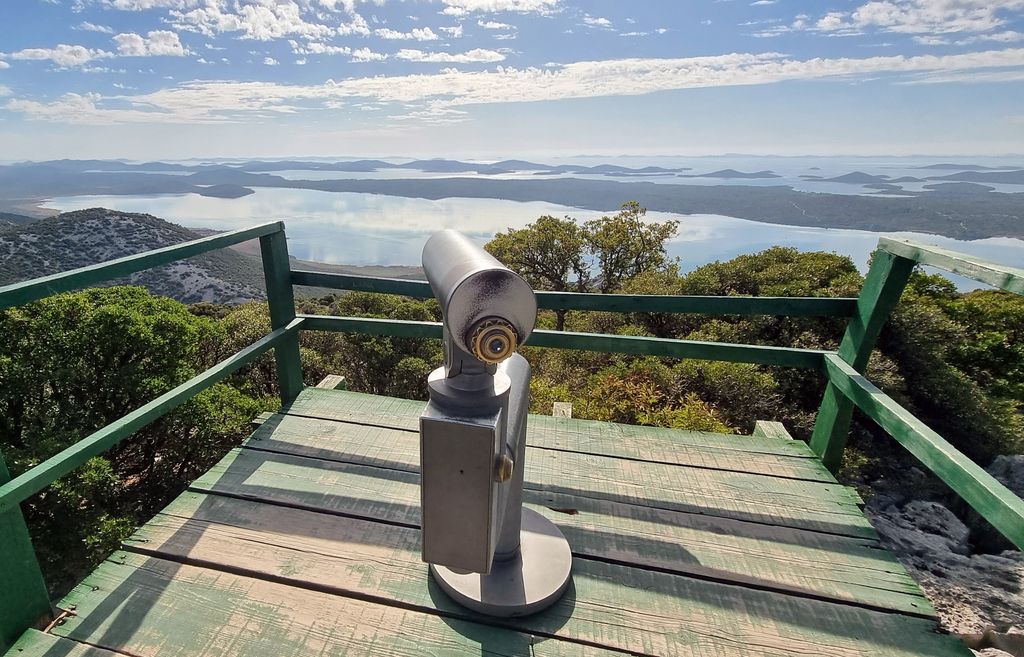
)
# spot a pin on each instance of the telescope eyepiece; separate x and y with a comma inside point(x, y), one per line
point(493, 340)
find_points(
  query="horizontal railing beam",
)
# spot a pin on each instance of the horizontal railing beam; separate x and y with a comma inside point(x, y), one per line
point(398, 328)
point(622, 344)
point(626, 303)
point(685, 349)
point(37, 288)
point(355, 283)
point(994, 501)
point(1004, 277)
point(39, 477)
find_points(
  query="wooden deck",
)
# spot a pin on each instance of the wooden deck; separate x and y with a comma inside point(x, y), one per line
point(305, 541)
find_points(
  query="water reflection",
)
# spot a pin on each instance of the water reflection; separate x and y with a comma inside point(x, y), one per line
point(369, 229)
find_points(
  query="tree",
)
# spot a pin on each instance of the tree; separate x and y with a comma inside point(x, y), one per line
point(625, 245)
point(559, 254)
point(72, 363)
point(549, 253)
point(382, 365)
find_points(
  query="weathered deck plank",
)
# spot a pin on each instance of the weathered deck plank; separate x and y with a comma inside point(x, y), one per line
point(150, 607)
point(34, 643)
point(772, 500)
point(641, 447)
point(829, 565)
point(544, 431)
point(612, 605)
point(792, 561)
point(305, 541)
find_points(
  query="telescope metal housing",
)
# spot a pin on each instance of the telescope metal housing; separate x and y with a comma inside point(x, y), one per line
point(484, 549)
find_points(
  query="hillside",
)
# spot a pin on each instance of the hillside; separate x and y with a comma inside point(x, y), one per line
point(11, 219)
point(85, 237)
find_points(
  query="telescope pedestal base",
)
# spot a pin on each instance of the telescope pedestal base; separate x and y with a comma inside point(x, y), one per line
point(531, 581)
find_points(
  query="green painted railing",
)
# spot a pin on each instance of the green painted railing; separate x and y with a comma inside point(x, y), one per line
point(846, 387)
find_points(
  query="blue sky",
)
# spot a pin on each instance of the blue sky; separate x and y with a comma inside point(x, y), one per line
point(509, 78)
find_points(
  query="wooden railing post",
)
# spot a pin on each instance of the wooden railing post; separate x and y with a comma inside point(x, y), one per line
point(23, 597)
point(883, 286)
point(281, 300)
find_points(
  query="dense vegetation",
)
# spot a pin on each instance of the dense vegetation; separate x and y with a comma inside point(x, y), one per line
point(72, 363)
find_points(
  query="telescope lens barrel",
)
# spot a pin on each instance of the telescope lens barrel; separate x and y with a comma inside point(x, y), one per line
point(494, 340)
point(489, 309)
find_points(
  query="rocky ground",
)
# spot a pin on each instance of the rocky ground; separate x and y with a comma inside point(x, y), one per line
point(979, 596)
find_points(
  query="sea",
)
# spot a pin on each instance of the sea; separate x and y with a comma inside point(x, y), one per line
point(371, 229)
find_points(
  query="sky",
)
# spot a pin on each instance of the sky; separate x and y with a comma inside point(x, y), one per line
point(150, 79)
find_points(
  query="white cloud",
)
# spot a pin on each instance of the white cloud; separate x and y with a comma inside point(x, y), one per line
point(86, 109)
point(1009, 36)
point(4, 64)
point(4, 91)
point(919, 16)
point(143, 5)
point(155, 44)
point(596, 21)
point(356, 26)
point(475, 55)
point(417, 34)
point(463, 7)
point(62, 55)
point(454, 32)
point(494, 25)
point(317, 48)
point(86, 26)
point(270, 61)
point(301, 61)
point(830, 21)
point(262, 20)
point(450, 89)
point(367, 55)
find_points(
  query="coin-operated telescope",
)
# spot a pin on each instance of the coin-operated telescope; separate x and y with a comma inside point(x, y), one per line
point(484, 549)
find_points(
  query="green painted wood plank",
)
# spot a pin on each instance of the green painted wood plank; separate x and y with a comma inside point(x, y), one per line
point(994, 501)
point(150, 607)
point(1005, 277)
point(344, 487)
point(769, 429)
point(883, 286)
point(40, 644)
point(628, 303)
point(34, 480)
point(744, 496)
point(612, 605)
point(37, 288)
point(544, 431)
point(299, 428)
point(618, 344)
point(332, 382)
point(748, 554)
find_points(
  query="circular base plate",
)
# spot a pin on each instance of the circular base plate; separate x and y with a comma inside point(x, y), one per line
point(531, 581)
